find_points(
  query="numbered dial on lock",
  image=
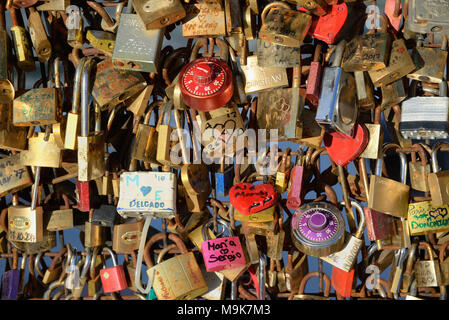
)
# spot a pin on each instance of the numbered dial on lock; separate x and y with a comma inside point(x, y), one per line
point(206, 84)
point(318, 229)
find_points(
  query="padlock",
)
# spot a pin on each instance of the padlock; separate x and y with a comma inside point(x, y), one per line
point(222, 253)
point(109, 93)
point(376, 137)
point(284, 26)
point(266, 215)
point(271, 55)
point(147, 193)
point(429, 125)
point(61, 219)
point(382, 188)
point(419, 170)
point(11, 137)
point(38, 144)
point(313, 86)
point(438, 179)
point(90, 147)
point(113, 278)
point(101, 40)
point(26, 224)
point(393, 94)
point(40, 106)
point(282, 109)
point(335, 25)
point(94, 283)
point(247, 198)
point(145, 144)
point(282, 174)
point(424, 218)
point(38, 36)
point(164, 131)
point(74, 25)
point(11, 279)
point(7, 88)
point(426, 17)
point(430, 63)
point(427, 272)
point(318, 229)
point(369, 51)
point(22, 46)
point(204, 19)
point(139, 52)
point(300, 294)
point(364, 86)
point(259, 79)
point(182, 270)
point(396, 270)
point(444, 264)
point(54, 270)
point(224, 179)
point(342, 281)
point(337, 109)
point(195, 179)
point(400, 64)
point(345, 258)
point(344, 149)
point(156, 14)
point(94, 234)
point(126, 236)
point(206, 83)
point(15, 176)
point(106, 215)
point(295, 192)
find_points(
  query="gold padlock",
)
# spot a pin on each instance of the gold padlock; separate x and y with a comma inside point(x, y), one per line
point(157, 14)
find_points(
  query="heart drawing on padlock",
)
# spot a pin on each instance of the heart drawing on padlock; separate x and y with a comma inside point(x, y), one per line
point(145, 190)
point(247, 198)
point(344, 149)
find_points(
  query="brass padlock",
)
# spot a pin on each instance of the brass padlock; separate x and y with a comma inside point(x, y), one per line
point(369, 51)
point(113, 86)
point(127, 236)
point(157, 14)
point(38, 145)
point(38, 36)
point(22, 46)
point(284, 26)
point(438, 180)
point(195, 178)
point(164, 133)
point(204, 19)
point(90, 147)
point(419, 170)
point(11, 137)
point(427, 272)
point(430, 63)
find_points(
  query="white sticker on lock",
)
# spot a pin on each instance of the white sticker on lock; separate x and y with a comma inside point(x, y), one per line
point(147, 194)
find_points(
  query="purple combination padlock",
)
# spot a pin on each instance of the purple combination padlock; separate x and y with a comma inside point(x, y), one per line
point(318, 229)
point(10, 284)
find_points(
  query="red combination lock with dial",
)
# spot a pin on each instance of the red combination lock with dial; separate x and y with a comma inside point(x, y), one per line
point(206, 84)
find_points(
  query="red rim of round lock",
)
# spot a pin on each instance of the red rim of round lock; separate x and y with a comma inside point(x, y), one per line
point(344, 149)
point(206, 84)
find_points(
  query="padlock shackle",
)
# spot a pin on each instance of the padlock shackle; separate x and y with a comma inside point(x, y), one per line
point(85, 95)
point(436, 147)
point(411, 256)
point(86, 263)
point(402, 156)
point(164, 251)
point(428, 248)
point(209, 223)
point(442, 251)
point(361, 227)
point(113, 256)
point(77, 85)
point(157, 237)
point(272, 5)
point(310, 275)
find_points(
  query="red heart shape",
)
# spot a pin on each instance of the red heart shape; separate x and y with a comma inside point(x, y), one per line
point(344, 149)
point(247, 198)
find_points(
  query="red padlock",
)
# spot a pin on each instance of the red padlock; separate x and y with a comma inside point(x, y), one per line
point(342, 281)
point(378, 224)
point(344, 149)
point(332, 27)
point(294, 196)
point(313, 88)
point(113, 279)
point(206, 84)
point(84, 195)
point(247, 198)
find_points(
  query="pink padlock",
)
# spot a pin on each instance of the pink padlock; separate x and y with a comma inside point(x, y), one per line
point(221, 253)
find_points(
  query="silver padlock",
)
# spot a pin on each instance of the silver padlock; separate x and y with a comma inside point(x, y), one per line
point(426, 117)
point(426, 16)
point(337, 109)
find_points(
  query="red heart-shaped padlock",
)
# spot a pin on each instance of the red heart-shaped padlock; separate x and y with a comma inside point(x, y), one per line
point(344, 149)
point(247, 198)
